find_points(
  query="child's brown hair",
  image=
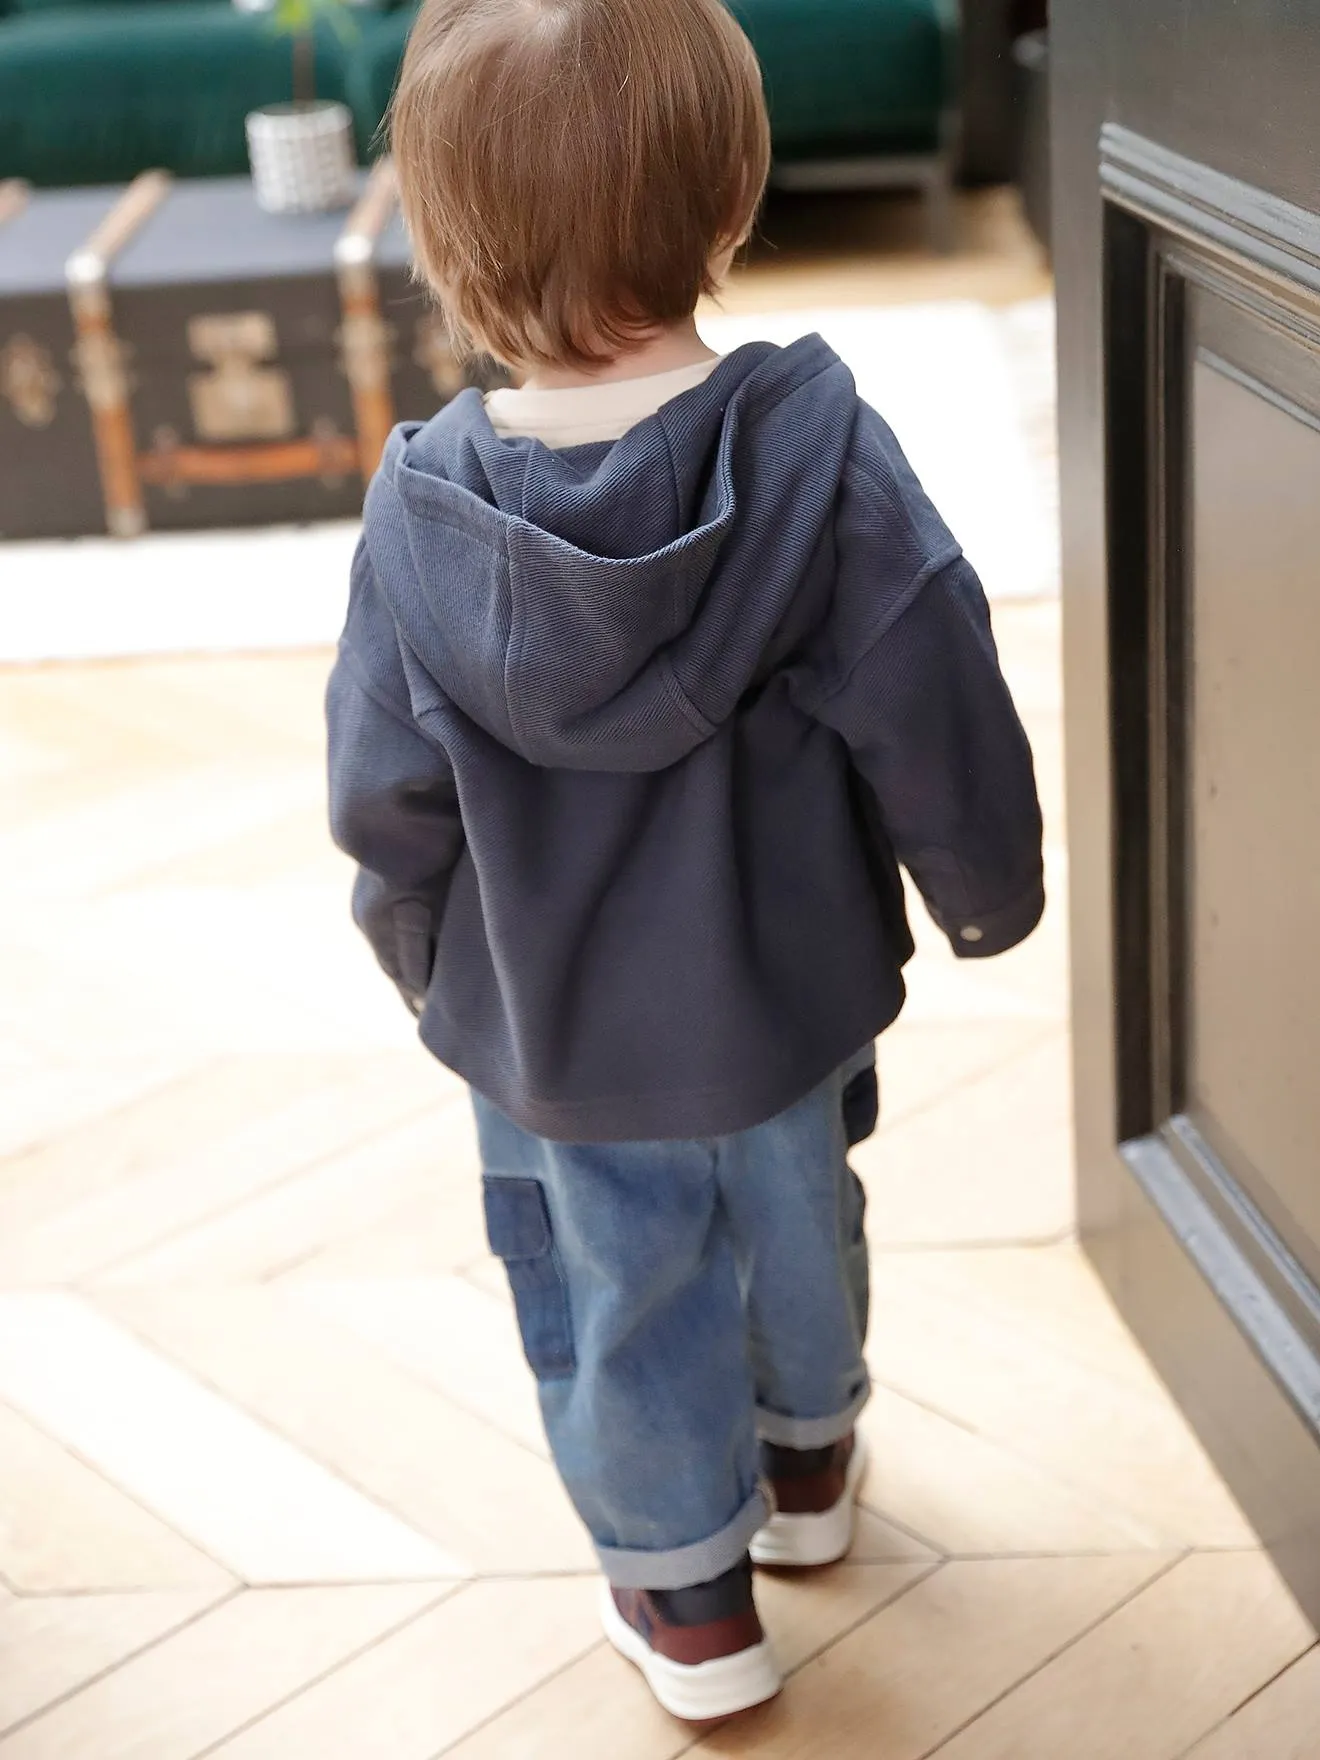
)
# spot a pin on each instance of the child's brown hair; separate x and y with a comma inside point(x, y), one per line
point(570, 169)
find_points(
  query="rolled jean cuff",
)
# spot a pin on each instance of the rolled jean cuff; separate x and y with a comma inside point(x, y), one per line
point(787, 1432)
point(686, 1566)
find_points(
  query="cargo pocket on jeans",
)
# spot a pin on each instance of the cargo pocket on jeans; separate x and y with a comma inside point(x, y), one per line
point(861, 1106)
point(518, 1229)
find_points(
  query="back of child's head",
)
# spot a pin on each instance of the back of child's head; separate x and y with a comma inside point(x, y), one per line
point(571, 170)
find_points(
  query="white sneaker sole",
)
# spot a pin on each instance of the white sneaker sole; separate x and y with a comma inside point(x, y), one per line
point(695, 1692)
point(804, 1542)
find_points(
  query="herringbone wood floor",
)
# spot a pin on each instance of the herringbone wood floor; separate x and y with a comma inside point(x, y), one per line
point(271, 1478)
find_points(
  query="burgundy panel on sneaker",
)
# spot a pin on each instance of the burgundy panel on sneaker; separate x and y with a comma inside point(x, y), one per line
point(701, 1624)
point(807, 1482)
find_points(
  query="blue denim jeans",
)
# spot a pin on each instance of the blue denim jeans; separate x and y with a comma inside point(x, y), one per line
point(679, 1301)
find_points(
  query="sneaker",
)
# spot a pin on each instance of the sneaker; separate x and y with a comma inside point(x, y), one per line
point(702, 1650)
point(815, 1494)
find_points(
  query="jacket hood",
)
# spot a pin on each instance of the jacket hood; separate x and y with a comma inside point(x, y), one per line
point(606, 607)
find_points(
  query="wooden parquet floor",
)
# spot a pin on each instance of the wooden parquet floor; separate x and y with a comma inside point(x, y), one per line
point(272, 1483)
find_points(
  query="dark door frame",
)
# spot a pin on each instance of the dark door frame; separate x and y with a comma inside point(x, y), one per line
point(1226, 1311)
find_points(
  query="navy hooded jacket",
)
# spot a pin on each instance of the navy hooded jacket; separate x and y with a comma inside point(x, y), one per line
point(630, 739)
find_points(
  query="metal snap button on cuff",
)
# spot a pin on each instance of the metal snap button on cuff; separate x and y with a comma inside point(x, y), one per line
point(972, 933)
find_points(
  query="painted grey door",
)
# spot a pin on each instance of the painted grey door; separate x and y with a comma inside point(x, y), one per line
point(1187, 196)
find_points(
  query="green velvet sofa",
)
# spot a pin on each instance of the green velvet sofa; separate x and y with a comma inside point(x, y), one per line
point(93, 91)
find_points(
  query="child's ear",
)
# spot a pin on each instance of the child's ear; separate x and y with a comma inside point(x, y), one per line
point(723, 261)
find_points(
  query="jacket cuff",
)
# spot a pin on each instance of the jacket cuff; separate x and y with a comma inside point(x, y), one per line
point(401, 931)
point(414, 943)
point(994, 932)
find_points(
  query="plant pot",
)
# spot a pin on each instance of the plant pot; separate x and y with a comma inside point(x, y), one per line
point(303, 157)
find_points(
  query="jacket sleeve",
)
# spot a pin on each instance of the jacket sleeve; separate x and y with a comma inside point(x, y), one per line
point(929, 722)
point(393, 797)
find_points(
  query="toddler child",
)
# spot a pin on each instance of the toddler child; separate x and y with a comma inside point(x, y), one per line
point(655, 669)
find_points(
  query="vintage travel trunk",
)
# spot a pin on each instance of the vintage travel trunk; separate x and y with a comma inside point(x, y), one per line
point(172, 356)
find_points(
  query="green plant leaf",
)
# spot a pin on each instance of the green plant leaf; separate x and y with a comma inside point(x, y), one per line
point(298, 18)
point(292, 17)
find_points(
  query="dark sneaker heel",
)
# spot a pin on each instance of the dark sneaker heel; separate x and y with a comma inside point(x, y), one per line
point(702, 1651)
point(815, 1512)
